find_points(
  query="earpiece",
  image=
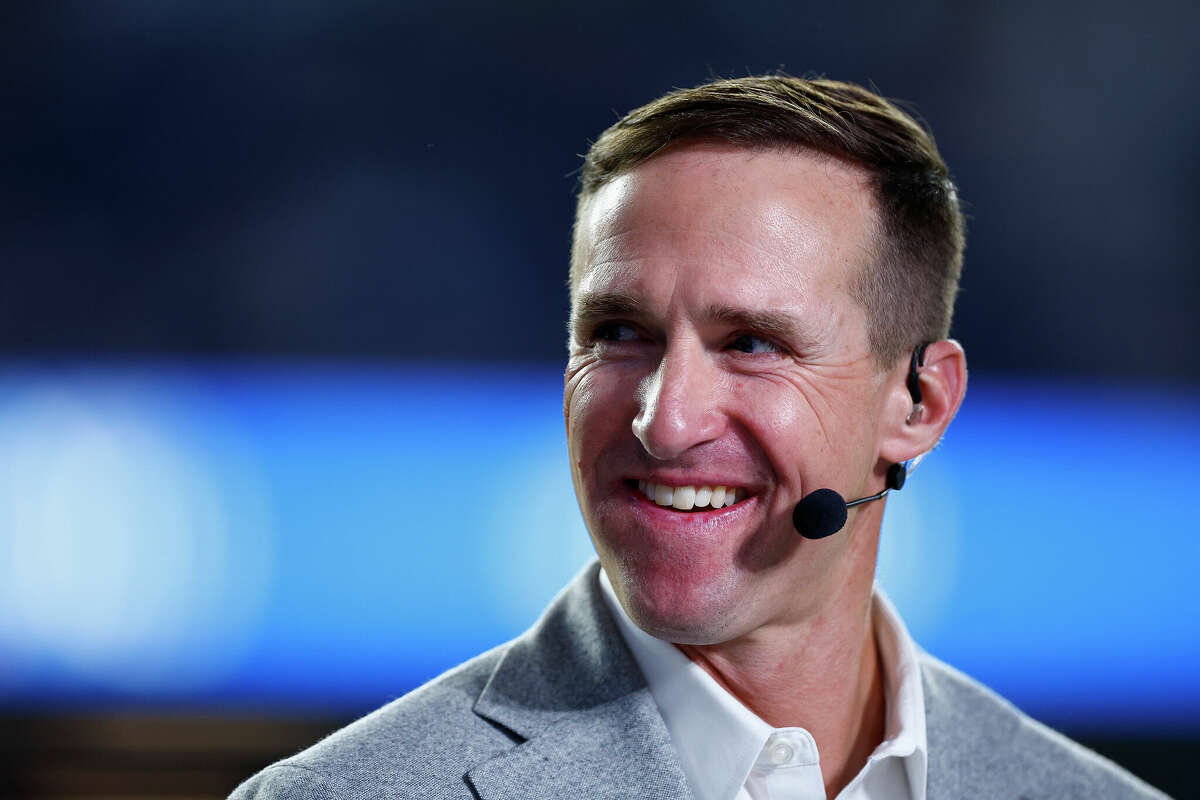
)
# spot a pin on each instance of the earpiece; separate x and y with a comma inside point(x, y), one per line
point(913, 381)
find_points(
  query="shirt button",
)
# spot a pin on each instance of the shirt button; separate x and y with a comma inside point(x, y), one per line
point(781, 753)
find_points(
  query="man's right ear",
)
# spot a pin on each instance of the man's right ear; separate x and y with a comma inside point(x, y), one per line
point(915, 428)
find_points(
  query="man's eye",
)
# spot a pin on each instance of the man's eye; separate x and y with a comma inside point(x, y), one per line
point(614, 332)
point(754, 345)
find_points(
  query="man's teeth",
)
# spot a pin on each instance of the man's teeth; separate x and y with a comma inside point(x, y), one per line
point(685, 498)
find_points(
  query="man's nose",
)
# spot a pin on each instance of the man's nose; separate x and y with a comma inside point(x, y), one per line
point(677, 405)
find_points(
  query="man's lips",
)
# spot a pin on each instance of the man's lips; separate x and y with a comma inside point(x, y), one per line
point(689, 497)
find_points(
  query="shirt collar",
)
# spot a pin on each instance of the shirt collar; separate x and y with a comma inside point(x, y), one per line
point(718, 740)
point(904, 730)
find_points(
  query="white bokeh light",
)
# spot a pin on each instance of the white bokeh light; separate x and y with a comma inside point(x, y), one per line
point(117, 526)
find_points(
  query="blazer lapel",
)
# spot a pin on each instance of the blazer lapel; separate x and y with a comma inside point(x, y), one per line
point(572, 697)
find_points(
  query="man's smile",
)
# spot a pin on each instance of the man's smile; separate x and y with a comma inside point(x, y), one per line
point(650, 515)
point(689, 498)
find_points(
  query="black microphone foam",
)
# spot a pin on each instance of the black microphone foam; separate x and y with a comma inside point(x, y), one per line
point(819, 514)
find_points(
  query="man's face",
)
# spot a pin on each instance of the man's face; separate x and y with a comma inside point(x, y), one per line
point(715, 343)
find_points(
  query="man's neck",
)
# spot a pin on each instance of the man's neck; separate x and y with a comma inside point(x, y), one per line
point(822, 675)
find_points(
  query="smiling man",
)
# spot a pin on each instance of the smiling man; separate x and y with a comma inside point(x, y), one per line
point(762, 280)
point(718, 349)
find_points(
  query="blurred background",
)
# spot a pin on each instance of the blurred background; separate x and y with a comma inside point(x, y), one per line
point(282, 329)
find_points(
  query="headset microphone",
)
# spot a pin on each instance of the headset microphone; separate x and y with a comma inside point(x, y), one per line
point(823, 512)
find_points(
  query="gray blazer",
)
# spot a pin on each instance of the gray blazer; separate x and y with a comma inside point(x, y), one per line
point(563, 712)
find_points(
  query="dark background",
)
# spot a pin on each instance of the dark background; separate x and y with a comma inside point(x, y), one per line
point(389, 180)
point(371, 181)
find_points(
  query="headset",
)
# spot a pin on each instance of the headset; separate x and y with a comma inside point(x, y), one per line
point(823, 512)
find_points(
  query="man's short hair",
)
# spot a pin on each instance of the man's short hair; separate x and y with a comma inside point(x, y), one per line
point(909, 294)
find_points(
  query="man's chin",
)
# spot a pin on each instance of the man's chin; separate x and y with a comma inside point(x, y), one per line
point(687, 614)
point(689, 632)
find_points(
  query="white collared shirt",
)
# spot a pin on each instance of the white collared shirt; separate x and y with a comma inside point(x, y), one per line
point(728, 753)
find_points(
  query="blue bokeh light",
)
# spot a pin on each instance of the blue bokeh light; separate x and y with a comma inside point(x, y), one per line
point(332, 536)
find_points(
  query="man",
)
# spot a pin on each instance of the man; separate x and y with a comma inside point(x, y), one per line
point(762, 279)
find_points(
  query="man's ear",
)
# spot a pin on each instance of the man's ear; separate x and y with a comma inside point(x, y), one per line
point(908, 430)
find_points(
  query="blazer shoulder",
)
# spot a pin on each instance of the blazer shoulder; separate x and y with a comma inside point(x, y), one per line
point(420, 745)
point(978, 739)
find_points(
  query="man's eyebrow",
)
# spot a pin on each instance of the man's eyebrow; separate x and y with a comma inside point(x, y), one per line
point(607, 304)
point(775, 324)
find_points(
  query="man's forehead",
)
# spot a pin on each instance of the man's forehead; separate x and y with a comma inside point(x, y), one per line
point(736, 176)
point(725, 227)
point(771, 206)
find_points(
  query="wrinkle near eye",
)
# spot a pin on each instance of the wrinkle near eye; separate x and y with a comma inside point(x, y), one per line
point(578, 369)
point(821, 387)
